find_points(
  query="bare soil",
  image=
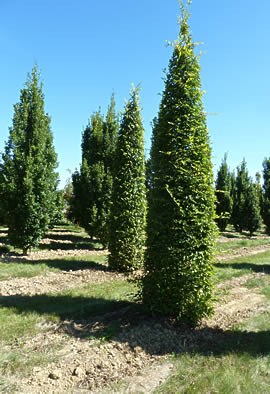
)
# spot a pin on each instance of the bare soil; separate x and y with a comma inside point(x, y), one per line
point(137, 358)
point(53, 282)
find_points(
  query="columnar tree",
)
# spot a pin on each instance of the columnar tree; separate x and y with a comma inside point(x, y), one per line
point(110, 130)
point(252, 210)
point(181, 229)
point(2, 210)
point(87, 183)
point(266, 194)
point(127, 224)
point(259, 190)
point(239, 198)
point(92, 184)
point(246, 214)
point(28, 172)
point(223, 195)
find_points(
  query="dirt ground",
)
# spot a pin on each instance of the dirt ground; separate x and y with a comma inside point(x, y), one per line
point(136, 360)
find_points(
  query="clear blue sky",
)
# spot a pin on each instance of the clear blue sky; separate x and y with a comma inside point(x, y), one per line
point(87, 48)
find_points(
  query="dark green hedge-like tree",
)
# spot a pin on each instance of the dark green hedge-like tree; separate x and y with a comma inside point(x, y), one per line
point(223, 195)
point(252, 210)
point(127, 224)
point(87, 183)
point(239, 199)
point(266, 194)
point(246, 213)
point(28, 174)
point(259, 190)
point(110, 130)
point(181, 229)
point(92, 185)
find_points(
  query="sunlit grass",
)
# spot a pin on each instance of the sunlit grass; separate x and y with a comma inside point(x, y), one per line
point(242, 265)
point(230, 373)
point(22, 315)
point(226, 247)
point(241, 363)
point(28, 269)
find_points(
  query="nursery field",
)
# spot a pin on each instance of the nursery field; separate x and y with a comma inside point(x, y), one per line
point(70, 325)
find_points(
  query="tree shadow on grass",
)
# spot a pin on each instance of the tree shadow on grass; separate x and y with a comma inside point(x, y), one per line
point(67, 236)
point(61, 264)
point(210, 341)
point(129, 322)
point(264, 268)
point(66, 241)
point(56, 245)
point(62, 306)
point(235, 235)
point(69, 241)
point(74, 265)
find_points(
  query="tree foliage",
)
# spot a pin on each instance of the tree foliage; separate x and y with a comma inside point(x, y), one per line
point(239, 198)
point(127, 224)
point(28, 177)
point(87, 183)
point(181, 229)
point(266, 194)
point(246, 213)
point(223, 195)
point(92, 185)
point(110, 131)
point(252, 209)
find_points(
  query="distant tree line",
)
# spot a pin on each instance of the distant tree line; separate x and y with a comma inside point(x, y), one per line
point(242, 201)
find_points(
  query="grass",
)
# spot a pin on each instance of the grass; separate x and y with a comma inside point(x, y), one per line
point(22, 361)
point(234, 361)
point(22, 315)
point(67, 237)
point(232, 373)
point(239, 362)
point(226, 247)
point(242, 265)
point(21, 268)
point(18, 270)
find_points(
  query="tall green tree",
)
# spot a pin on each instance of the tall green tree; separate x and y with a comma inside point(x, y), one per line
point(87, 183)
point(110, 130)
point(266, 194)
point(259, 190)
point(29, 179)
point(92, 184)
point(223, 195)
point(246, 213)
point(181, 229)
point(252, 210)
point(240, 194)
point(127, 225)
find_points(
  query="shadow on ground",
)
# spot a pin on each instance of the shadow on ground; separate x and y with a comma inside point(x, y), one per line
point(129, 322)
point(235, 235)
point(60, 264)
point(265, 268)
point(69, 241)
point(64, 240)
